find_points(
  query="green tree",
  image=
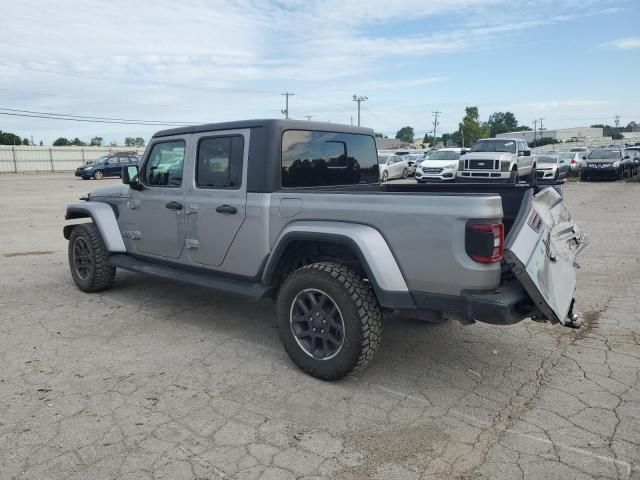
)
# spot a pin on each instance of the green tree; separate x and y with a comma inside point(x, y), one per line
point(25, 141)
point(61, 142)
point(546, 141)
point(501, 122)
point(77, 142)
point(131, 142)
point(617, 136)
point(96, 142)
point(470, 126)
point(41, 144)
point(7, 138)
point(139, 142)
point(405, 134)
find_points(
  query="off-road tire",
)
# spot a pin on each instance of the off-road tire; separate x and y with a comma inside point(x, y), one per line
point(101, 274)
point(98, 175)
point(360, 313)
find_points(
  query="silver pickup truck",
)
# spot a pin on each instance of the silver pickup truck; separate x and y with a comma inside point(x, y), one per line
point(295, 211)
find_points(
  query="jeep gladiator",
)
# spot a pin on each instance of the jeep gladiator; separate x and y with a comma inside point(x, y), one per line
point(295, 211)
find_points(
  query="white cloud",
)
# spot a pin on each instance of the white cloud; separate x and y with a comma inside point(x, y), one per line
point(628, 43)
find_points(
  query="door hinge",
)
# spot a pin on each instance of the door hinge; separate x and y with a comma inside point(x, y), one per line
point(192, 244)
point(191, 209)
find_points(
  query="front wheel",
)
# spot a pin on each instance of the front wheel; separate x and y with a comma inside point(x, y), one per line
point(98, 175)
point(329, 320)
point(513, 178)
point(405, 173)
point(385, 176)
point(89, 259)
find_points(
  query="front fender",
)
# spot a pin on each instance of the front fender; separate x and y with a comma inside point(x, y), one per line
point(377, 259)
point(105, 219)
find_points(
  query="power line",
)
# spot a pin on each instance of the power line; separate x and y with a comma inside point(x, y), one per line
point(88, 120)
point(93, 117)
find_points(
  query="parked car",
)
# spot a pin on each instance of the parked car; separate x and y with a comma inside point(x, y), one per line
point(440, 166)
point(412, 159)
point(634, 154)
point(608, 163)
point(393, 166)
point(573, 158)
point(498, 159)
point(277, 209)
point(108, 166)
point(552, 167)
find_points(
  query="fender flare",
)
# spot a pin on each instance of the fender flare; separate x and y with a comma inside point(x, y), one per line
point(104, 218)
point(379, 263)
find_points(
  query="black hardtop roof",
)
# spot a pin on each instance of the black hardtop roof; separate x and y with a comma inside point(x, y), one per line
point(276, 124)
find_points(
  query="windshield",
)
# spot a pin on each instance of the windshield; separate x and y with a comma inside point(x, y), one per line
point(444, 155)
point(605, 154)
point(507, 146)
point(567, 155)
point(547, 159)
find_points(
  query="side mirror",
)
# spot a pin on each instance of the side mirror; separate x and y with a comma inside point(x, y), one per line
point(130, 176)
point(526, 153)
point(584, 157)
point(463, 151)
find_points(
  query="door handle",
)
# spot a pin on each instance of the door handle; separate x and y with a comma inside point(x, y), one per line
point(226, 209)
point(174, 206)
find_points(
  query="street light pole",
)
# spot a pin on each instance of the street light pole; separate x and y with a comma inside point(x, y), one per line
point(359, 99)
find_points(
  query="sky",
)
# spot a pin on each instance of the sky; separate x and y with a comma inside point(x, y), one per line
point(570, 62)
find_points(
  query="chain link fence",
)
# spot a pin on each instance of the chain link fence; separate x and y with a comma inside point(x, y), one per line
point(26, 159)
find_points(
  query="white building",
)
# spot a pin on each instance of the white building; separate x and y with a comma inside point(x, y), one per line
point(561, 134)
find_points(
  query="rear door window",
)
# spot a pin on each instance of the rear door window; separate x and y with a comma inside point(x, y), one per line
point(219, 162)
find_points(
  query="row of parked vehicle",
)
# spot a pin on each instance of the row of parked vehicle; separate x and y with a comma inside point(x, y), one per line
point(107, 166)
point(509, 160)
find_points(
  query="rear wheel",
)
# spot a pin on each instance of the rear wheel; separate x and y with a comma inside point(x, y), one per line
point(89, 259)
point(328, 320)
point(98, 175)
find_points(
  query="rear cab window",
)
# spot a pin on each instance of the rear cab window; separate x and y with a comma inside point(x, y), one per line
point(323, 159)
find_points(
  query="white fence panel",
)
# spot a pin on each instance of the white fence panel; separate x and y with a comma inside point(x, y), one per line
point(23, 159)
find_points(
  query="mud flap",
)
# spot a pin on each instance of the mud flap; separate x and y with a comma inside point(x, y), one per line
point(541, 249)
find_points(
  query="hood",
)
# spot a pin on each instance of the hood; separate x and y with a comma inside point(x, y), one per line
point(546, 166)
point(438, 163)
point(487, 156)
point(111, 191)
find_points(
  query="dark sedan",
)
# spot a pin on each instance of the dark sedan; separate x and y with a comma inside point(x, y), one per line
point(109, 166)
point(611, 163)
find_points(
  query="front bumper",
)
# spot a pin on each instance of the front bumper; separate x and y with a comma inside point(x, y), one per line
point(545, 174)
point(436, 174)
point(483, 175)
point(600, 172)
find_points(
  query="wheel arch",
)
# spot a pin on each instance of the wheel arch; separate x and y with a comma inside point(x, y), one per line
point(103, 216)
point(357, 243)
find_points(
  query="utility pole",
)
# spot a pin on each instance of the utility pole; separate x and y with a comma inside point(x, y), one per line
point(435, 125)
point(541, 119)
point(285, 112)
point(535, 132)
point(308, 117)
point(462, 135)
point(617, 121)
point(358, 99)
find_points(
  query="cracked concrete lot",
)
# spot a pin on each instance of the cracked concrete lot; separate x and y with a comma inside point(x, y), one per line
point(155, 380)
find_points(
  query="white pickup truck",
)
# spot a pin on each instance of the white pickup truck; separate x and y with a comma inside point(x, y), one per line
point(497, 159)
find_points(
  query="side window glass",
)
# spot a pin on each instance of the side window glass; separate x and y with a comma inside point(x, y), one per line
point(165, 164)
point(219, 162)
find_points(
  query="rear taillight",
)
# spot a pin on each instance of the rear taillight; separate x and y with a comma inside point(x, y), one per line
point(573, 160)
point(485, 242)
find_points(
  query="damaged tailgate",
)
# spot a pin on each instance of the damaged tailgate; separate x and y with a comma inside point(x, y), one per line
point(541, 248)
